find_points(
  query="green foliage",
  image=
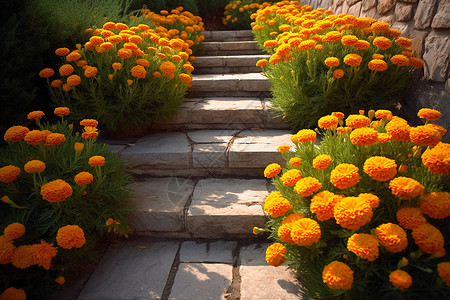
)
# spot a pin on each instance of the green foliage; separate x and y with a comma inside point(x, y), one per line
point(370, 278)
point(89, 206)
point(237, 13)
point(158, 5)
point(211, 8)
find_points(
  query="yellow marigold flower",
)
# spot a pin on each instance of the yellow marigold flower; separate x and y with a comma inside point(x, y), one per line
point(275, 254)
point(357, 121)
point(429, 114)
point(371, 199)
point(22, 257)
point(399, 129)
point(364, 136)
point(380, 168)
point(14, 294)
point(138, 71)
point(392, 237)
point(83, 178)
point(332, 62)
point(362, 45)
point(321, 162)
point(34, 166)
point(96, 160)
point(276, 205)
point(295, 161)
point(436, 205)
point(410, 217)
point(73, 56)
point(43, 254)
point(406, 188)
point(400, 279)
point(352, 60)
point(89, 132)
point(403, 42)
point(35, 115)
point(352, 213)
point(7, 250)
point(328, 122)
point(400, 60)
point(283, 148)
point(363, 245)
point(55, 138)
point(306, 135)
point(305, 232)
point(62, 51)
point(15, 133)
point(60, 280)
point(428, 238)
point(443, 270)
point(185, 78)
point(14, 231)
point(383, 114)
point(167, 67)
point(284, 231)
point(9, 173)
point(66, 70)
point(382, 42)
point(90, 72)
point(332, 36)
point(124, 53)
point(415, 62)
point(307, 186)
point(377, 65)
point(73, 80)
point(424, 135)
point(56, 191)
point(344, 176)
point(62, 111)
point(337, 276)
point(338, 73)
point(322, 204)
point(291, 177)
point(437, 159)
point(349, 40)
point(89, 122)
point(307, 45)
point(272, 170)
point(70, 236)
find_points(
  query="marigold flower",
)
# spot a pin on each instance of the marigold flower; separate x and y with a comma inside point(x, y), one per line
point(117, 66)
point(361, 45)
point(403, 42)
point(443, 270)
point(364, 136)
point(109, 221)
point(14, 231)
point(328, 122)
point(55, 138)
point(344, 176)
point(322, 204)
point(7, 250)
point(14, 294)
point(35, 115)
point(428, 238)
point(338, 73)
point(43, 254)
point(305, 232)
point(406, 188)
point(410, 217)
point(332, 36)
point(380, 26)
point(167, 67)
point(56, 191)
point(321, 162)
point(424, 135)
point(261, 63)
point(284, 231)
point(392, 237)
point(283, 148)
point(307, 186)
point(383, 114)
point(62, 111)
point(89, 132)
point(337, 276)
point(124, 53)
point(437, 159)
point(70, 236)
point(363, 245)
point(73, 56)
point(15, 133)
point(306, 135)
point(399, 129)
point(62, 51)
point(138, 71)
point(60, 280)
point(429, 114)
point(22, 257)
point(185, 78)
point(9, 173)
point(357, 121)
point(129, 82)
point(83, 178)
point(415, 62)
point(276, 205)
point(400, 279)
point(73, 80)
point(291, 177)
point(352, 60)
point(377, 65)
point(46, 73)
point(89, 122)
point(295, 161)
point(400, 60)
point(436, 205)
point(275, 254)
point(380, 168)
point(382, 42)
point(96, 160)
point(352, 212)
point(34, 166)
point(90, 72)
point(66, 70)
point(272, 170)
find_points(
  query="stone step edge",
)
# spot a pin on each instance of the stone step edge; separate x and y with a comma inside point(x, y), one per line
point(228, 61)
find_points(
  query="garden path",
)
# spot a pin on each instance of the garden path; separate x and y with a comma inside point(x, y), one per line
point(199, 191)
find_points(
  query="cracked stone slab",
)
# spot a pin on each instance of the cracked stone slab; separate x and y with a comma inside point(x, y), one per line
point(212, 252)
point(211, 136)
point(160, 203)
point(133, 269)
point(201, 281)
point(209, 155)
point(262, 281)
point(226, 207)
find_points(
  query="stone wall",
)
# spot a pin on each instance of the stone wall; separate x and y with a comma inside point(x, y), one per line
point(427, 24)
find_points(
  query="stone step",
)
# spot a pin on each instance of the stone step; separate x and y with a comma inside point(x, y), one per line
point(228, 35)
point(203, 153)
point(233, 85)
point(147, 268)
point(230, 48)
point(228, 64)
point(223, 112)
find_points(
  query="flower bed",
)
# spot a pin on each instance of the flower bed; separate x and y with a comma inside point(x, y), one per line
point(365, 214)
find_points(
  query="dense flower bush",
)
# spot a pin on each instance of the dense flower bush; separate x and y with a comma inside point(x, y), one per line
point(237, 13)
point(322, 62)
point(365, 214)
point(60, 193)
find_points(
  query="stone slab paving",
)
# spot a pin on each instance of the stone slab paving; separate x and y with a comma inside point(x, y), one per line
point(205, 251)
point(228, 35)
point(228, 60)
point(229, 82)
point(212, 136)
point(210, 155)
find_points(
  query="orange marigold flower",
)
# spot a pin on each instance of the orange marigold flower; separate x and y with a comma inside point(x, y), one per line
point(143, 62)
point(109, 221)
point(363, 245)
point(283, 148)
point(306, 135)
point(328, 122)
point(352, 60)
point(425, 135)
point(167, 67)
point(291, 177)
point(14, 231)
point(349, 40)
point(96, 160)
point(188, 67)
point(34, 166)
point(371, 199)
point(339, 115)
point(443, 270)
point(70, 236)
point(62, 51)
point(436, 205)
point(73, 80)
point(378, 56)
point(34, 137)
point(399, 129)
point(56, 83)
point(429, 114)
point(400, 60)
point(89, 122)
point(46, 73)
point(83, 178)
point(321, 162)
point(73, 56)
point(7, 250)
point(185, 78)
point(12, 293)
point(15, 133)
point(117, 66)
point(364, 136)
point(138, 71)
point(352, 212)
point(276, 205)
point(357, 121)
point(60, 280)
point(156, 74)
point(322, 204)
point(90, 72)
point(78, 147)
point(406, 188)
point(35, 115)
point(275, 254)
point(344, 176)
point(307, 186)
point(305, 232)
point(437, 159)
point(377, 65)
point(272, 170)
point(428, 238)
point(383, 114)
point(261, 63)
point(9, 173)
point(382, 42)
point(124, 53)
point(332, 36)
point(89, 132)
point(43, 254)
point(295, 161)
point(415, 62)
point(410, 217)
point(337, 276)
point(284, 231)
point(380, 168)
point(380, 26)
point(362, 45)
point(135, 39)
point(62, 111)
point(400, 279)
point(338, 73)
point(392, 237)
point(383, 138)
point(270, 43)
point(55, 138)
point(22, 257)
point(403, 42)
point(66, 70)
point(56, 191)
